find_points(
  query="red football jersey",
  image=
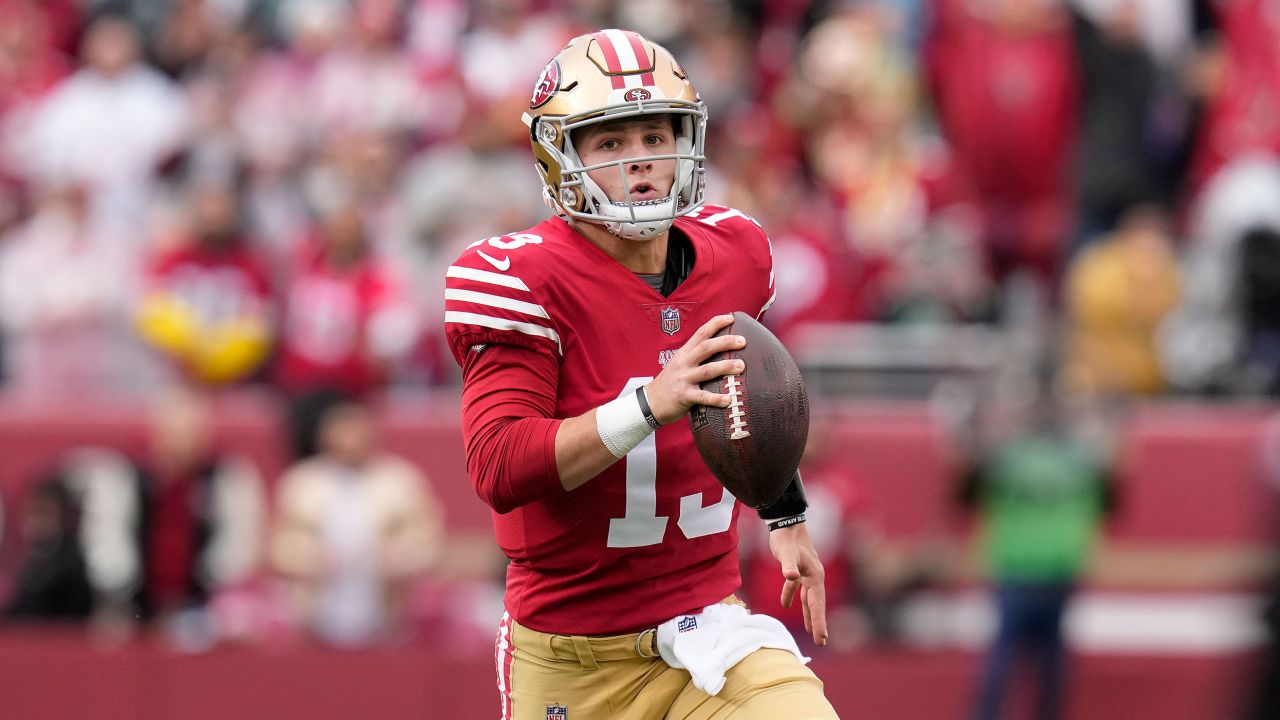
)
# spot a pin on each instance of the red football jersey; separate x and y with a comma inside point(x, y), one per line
point(654, 535)
point(340, 327)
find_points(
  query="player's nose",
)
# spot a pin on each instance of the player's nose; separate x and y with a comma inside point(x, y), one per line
point(640, 166)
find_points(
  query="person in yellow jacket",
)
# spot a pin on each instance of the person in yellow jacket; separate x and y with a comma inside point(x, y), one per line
point(1116, 294)
point(208, 304)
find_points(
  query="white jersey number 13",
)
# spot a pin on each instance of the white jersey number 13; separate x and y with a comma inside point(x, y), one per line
point(642, 525)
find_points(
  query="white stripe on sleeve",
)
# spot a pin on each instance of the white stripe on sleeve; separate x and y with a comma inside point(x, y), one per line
point(466, 318)
point(484, 276)
point(497, 301)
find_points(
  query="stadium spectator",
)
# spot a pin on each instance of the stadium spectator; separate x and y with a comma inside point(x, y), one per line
point(1116, 294)
point(817, 274)
point(166, 532)
point(1041, 492)
point(347, 317)
point(1221, 336)
point(1235, 73)
point(53, 582)
point(65, 294)
point(1134, 115)
point(355, 527)
point(506, 34)
point(187, 34)
point(1003, 80)
point(901, 206)
point(109, 126)
point(30, 63)
point(207, 302)
point(367, 81)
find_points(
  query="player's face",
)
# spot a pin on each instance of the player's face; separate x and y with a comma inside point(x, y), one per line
point(623, 140)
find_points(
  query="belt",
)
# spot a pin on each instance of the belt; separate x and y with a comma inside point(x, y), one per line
point(590, 649)
point(581, 648)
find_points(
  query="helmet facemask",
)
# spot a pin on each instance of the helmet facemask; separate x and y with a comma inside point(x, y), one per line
point(578, 196)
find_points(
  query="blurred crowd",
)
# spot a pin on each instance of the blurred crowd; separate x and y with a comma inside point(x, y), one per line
point(268, 191)
point(184, 536)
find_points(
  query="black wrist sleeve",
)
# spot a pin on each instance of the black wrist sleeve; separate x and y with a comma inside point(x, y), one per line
point(791, 503)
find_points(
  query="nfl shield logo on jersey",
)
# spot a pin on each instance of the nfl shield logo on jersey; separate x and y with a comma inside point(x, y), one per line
point(557, 712)
point(670, 321)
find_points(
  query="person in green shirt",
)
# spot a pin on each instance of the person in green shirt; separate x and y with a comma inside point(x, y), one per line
point(1041, 494)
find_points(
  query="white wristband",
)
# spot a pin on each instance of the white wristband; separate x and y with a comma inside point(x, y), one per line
point(621, 424)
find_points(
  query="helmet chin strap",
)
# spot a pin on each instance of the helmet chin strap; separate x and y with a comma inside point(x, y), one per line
point(642, 228)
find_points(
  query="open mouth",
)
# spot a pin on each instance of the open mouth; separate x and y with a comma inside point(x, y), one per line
point(644, 193)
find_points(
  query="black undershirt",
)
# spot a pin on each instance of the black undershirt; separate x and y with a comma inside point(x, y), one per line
point(680, 257)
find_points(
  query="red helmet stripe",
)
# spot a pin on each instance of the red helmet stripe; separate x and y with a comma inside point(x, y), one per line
point(611, 59)
point(642, 58)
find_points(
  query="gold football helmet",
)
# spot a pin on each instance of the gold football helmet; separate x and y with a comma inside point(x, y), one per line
point(608, 75)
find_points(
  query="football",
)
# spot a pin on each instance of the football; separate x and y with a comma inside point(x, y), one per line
point(754, 446)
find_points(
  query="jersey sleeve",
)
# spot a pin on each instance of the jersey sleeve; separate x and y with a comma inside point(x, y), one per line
point(488, 303)
point(508, 399)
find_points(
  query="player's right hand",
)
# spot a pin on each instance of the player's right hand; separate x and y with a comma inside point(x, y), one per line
point(677, 387)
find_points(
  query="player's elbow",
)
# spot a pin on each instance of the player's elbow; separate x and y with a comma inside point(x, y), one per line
point(513, 464)
point(501, 502)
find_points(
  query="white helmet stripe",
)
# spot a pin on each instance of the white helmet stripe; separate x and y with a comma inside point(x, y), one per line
point(622, 46)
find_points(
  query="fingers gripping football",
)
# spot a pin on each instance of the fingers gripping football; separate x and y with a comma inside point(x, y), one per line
point(676, 388)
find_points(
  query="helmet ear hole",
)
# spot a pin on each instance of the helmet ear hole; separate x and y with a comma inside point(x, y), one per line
point(547, 133)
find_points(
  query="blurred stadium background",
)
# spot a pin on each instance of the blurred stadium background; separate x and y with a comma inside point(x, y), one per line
point(219, 218)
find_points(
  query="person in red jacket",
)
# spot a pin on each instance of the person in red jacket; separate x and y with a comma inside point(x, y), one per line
point(347, 317)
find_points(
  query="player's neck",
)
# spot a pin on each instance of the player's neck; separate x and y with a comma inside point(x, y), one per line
point(638, 256)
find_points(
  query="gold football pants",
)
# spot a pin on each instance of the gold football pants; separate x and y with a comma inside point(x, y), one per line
point(542, 677)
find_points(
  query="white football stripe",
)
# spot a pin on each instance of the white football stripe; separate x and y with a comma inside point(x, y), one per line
point(497, 301)
point(485, 276)
point(466, 318)
point(622, 46)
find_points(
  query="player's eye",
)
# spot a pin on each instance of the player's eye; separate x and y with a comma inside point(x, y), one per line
point(609, 144)
point(655, 140)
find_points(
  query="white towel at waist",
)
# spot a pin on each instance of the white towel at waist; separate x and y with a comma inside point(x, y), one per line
point(711, 642)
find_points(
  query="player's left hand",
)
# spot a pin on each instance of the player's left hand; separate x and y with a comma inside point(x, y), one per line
point(802, 571)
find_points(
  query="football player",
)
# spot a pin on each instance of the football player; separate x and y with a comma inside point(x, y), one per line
point(582, 342)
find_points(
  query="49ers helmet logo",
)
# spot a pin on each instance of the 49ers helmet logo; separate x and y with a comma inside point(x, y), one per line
point(547, 86)
point(637, 94)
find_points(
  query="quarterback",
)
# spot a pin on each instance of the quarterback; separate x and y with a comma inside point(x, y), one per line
point(582, 342)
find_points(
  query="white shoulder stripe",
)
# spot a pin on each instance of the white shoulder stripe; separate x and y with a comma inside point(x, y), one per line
point(485, 276)
point(497, 301)
point(466, 318)
point(768, 304)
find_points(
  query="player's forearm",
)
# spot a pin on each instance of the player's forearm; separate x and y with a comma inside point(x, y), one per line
point(580, 453)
